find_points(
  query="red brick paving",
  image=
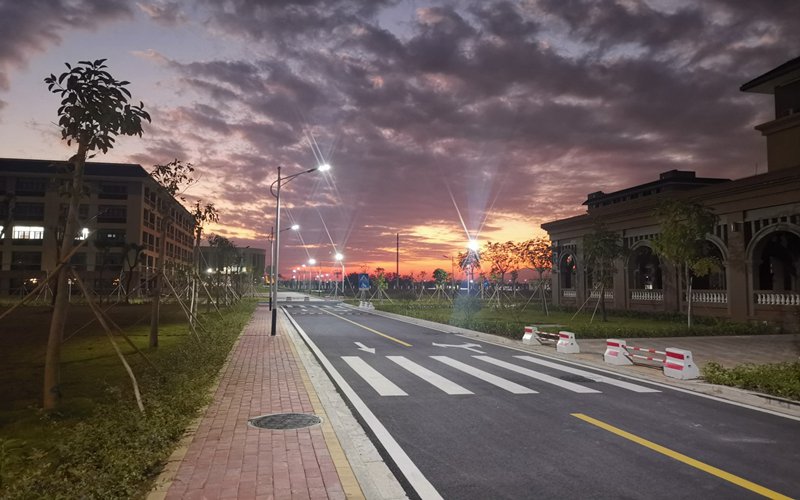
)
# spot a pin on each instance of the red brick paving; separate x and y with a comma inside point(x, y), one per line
point(228, 458)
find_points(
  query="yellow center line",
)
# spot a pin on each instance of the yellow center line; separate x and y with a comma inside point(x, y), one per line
point(368, 329)
point(744, 483)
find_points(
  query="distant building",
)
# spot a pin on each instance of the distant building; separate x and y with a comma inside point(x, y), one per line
point(121, 215)
point(249, 262)
point(757, 238)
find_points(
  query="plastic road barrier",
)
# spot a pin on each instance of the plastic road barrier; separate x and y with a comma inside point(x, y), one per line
point(676, 363)
point(680, 364)
point(567, 343)
point(564, 341)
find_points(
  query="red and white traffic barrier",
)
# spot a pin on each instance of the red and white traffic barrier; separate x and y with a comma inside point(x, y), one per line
point(676, 363)
point(680, 364)
point(528, 335)
point(567, 343)
point(564, 341)
point(615, 353)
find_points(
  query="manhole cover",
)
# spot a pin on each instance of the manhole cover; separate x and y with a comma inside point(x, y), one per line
point(285, 421)
point(575, 378)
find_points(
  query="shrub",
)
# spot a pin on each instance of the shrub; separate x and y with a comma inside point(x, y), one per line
point(777, 379)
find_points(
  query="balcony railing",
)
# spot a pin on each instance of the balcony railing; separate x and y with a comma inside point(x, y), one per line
point(710, 296)
point(569, 294)
point(770, 298)
point(647, 295)
point(609, 294)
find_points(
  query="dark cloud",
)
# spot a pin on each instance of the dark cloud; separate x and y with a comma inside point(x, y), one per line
point(34, 25)
point(165, 13)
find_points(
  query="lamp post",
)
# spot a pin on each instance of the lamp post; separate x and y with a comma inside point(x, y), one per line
point(340, 258)
point(275, 190)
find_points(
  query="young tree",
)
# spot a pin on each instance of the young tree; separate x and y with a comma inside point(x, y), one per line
point(203, 214)
point(600, 249)
point(469, 261)
point(684, 227)
point(501, 258)
point(537, 254)
point(174, 177)
point(94, 110)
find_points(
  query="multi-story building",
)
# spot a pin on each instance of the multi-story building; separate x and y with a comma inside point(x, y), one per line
point(121, 215)
point(757, 238)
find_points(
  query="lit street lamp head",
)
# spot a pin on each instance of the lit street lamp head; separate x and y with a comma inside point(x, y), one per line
point(339, 256)
point(324, 167)
point(473, 245)
point(311, 262)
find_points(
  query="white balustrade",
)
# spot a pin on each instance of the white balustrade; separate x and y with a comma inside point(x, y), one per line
point(569, 294)
point(648, 295)
point(769, 298)
point(609, 294)
point(710, 296)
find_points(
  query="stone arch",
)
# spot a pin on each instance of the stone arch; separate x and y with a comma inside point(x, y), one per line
point(644, 268)
point(714, 247)
point(774, 257)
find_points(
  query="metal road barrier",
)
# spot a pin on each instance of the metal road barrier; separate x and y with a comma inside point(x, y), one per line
point(564, 341)
point(676, 363)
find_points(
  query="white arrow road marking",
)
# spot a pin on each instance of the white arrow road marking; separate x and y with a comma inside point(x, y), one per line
point(381, 384)
point(433, 378)
point(362, 347)
point(469, 347)
point(485, 376)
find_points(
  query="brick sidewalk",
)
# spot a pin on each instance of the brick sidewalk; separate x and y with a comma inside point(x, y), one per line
point(228, 458)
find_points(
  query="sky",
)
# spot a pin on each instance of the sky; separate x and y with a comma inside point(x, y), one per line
point(443, 121)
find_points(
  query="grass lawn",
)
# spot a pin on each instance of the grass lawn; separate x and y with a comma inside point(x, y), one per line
point(510, 319)
point(98, 444)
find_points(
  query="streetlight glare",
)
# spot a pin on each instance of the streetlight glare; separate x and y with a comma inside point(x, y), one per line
point(473, 245)
point(295, 227)
point(339, 256)
point(324, 167)
point(311, 262)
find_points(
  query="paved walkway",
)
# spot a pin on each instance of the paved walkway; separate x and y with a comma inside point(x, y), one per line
point(228, 458)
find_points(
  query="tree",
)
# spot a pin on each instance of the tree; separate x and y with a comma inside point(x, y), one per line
point(502, 258)
point(600, 249)
point(469, 261)
point(684, 226)
point(203, 214)
point(94, 110)
point(537, 254)
point(173, 177)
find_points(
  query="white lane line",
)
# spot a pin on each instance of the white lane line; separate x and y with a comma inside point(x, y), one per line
point(413, 475)
point(434, 379)
point(570, 386)
point(381, 384)
point(591, 376)
point(485, 376)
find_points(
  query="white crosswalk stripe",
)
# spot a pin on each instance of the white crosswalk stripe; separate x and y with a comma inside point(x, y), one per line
point(381, 384)
point(570, 386)
point(591, 376)
point(428, 376)
point(500, 382)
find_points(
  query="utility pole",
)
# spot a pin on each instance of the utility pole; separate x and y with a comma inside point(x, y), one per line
point(397, 270)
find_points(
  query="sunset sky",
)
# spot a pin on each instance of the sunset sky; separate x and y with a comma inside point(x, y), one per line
point(440, 119)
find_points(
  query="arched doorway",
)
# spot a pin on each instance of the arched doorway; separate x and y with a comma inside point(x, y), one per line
point(776, 262)
point(715, 280)
point(644, 269)
point(567, 270)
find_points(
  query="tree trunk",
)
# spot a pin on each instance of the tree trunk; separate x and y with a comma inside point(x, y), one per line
point(688, 298)
point(51, 390)
point(155, 306)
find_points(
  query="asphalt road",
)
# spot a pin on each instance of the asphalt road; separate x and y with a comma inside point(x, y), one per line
point(466, 420)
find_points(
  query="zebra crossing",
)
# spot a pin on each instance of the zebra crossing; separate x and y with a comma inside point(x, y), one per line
point(384, 386)
point(307, 310)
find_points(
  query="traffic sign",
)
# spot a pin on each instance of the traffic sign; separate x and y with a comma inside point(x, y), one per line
point(363, 282)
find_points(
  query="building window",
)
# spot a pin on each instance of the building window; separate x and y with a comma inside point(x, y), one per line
point(26, 261)
point(28, 233)
point(112, 191)
point(30, 186)
point(29, 211)
point(110, 236)
point(83, 234)
point(112, 213)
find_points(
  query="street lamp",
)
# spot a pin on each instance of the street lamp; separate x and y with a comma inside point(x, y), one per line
point(340, 258)
point(294, 227)
point(275, 190)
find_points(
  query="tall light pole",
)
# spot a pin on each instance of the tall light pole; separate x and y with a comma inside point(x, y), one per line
point(275, 190)
point(340, 258)
point(294, 227)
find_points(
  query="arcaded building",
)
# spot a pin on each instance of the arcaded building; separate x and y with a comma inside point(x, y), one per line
point(120, 215)
point(757, 238)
